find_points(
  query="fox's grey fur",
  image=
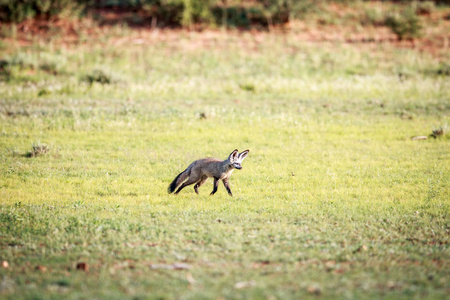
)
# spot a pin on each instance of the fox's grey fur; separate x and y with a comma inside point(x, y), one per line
point(201, 169)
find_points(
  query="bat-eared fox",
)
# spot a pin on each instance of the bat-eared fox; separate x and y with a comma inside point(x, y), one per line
point(201, 169)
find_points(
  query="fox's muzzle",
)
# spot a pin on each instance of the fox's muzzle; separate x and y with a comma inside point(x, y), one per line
point(238, 167)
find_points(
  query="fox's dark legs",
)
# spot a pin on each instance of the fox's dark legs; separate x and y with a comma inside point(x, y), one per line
point(199, 183)
point(202, 180)
point(227, 186)
point(216, 185)
point(188, 182)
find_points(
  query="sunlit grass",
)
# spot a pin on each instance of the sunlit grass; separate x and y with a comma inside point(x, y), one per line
point(334, 199)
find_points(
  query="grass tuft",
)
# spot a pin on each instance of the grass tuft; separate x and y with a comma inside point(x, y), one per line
point(100, 76)
point(38, 149)
point(438, 132)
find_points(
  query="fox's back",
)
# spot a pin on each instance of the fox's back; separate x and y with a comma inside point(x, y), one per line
point(211, 167)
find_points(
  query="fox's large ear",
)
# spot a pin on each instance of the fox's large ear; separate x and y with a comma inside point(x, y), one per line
point(233, 155)
point(243, 155)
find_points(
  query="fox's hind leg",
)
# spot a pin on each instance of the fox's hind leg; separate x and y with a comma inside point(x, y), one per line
point(216, 185)
point(199, 183)
point(190, 181)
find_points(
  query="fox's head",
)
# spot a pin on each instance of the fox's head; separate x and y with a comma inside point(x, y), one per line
point(236, 159)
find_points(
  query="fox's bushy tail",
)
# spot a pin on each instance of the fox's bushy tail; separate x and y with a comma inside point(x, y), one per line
point(178, 180)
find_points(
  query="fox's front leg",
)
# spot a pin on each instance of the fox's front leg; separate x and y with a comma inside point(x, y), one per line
point(216, 185)
point(227, 186)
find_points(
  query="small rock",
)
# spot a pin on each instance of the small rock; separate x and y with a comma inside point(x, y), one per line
point(244, 284)
point(420, 137)
point(314, 290)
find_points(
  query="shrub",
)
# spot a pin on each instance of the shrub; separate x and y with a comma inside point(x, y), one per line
point(51, 63)
point(19, 10)
point(12, 65)
point(100, 76)
point(405, 24)
point(261, 12)
point(425, 7)
point(444, 69)
point(282, 11)
point(235, 16)
point(196, 11)
point(21, 60)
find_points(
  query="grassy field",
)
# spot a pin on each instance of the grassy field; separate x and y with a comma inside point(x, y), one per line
point(334, 200)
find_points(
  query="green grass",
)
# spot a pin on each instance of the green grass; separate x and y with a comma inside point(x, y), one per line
point(334, 199)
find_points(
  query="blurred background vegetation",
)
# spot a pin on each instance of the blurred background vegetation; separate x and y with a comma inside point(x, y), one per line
point(404, 20)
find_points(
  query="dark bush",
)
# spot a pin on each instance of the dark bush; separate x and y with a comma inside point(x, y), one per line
point(169, 12)
point(405, 24)
point(19, 10)
point(100, 76)
point(238, 16)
